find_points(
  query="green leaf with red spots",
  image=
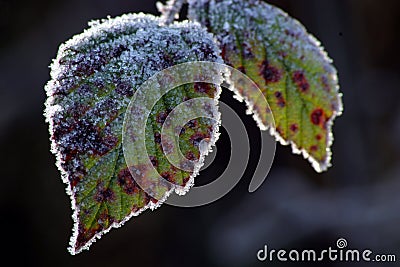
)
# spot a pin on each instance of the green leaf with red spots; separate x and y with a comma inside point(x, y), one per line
point(93, 78)
point(293, 71)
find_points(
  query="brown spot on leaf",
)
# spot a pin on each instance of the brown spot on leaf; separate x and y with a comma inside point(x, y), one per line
point(83, 137)
point(169, 176)
point(85, 234)
point(241, 69)
point(157, 138)
point(204, 88)
point(279, 131)
point(117, 51)
point(127, 183)
point(124, 88)
point(300, 80)
point(281, 101)
point(270, 73)
point(105, 219)
point(294, 128)
point(76, 174)
point(162, 116)
point(318, 137)
point(77, 110)
point(186, 179)
point(154, 161)
point(196, 138)
point(104, 195)
point(167, 59)
point(192, 123)
point(191, 156)
point(317, 116)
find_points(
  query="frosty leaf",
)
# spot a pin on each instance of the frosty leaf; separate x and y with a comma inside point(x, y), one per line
point(93, 78)
point(293, 71)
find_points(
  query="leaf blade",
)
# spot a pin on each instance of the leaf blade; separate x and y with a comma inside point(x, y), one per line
point(93, 78)
point(291, 68)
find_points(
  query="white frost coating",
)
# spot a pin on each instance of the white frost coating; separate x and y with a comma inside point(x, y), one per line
point(170, 11)
point(132, 46)
point(277, 32)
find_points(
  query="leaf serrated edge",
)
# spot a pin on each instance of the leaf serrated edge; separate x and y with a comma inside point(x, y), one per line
point(318, 166)
point(50, 110)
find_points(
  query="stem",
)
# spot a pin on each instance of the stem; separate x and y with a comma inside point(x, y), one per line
point(170, 10)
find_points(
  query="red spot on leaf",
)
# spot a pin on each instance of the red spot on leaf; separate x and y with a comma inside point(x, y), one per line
point(154, 161)
point(191, 156)
point(317, 116)
point(108, 142)
point(124, 88)
point(186, 179)
point(279, 131)
point(281, 101)
point(127, 183)
point(314, 148)
point(76, 172)
point(318, 137)
point(104, 195)
point(161, 117)
point(85, 234)
point(300, 80)
point(192, 123)
point(196, 138)
point(294, 127)
point(169, 176)
point(83, 137)
point(204, 88)
point(241, 69)
point(157, 138)
point(105, 219)
point(270, 73)
point(77, 110)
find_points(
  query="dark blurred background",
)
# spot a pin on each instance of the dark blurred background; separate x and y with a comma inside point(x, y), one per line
point(357, 199)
